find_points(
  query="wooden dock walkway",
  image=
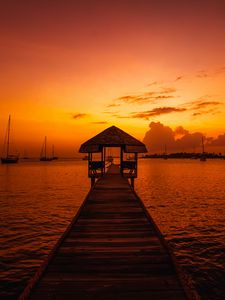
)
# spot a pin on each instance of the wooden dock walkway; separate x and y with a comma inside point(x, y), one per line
point(112, 250)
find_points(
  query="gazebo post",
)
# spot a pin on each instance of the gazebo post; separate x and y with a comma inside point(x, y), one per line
point(132, 182)
point(89, 161)
point(136, 162)
point(121, 160)
point(92, 181)
point(102, 168)
point(104, 158)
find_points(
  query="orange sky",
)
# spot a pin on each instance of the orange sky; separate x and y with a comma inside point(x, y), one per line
point(69, 69)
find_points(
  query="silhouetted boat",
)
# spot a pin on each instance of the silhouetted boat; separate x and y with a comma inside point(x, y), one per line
point(85, 157)
point(43, 156)
point(9, 158)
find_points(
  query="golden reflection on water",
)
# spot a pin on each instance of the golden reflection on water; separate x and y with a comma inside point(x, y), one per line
point(187, 201)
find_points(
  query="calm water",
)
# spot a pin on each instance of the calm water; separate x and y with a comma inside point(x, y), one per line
point(185, 197)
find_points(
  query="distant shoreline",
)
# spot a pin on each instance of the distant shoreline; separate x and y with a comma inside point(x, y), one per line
point(185, 155)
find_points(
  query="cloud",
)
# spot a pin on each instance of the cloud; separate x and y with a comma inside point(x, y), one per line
point(219, 141)
point(160, 135)
point(179, 140)
point(189, 141)
point(79, 116)
point(179, 78)
point(210, 73)
point(153, 83)
point(168, 90)
point(99, 122)
point(196, 108)
point(156, 112)
point(148, 97)
point(113, 105)
point(202, 106)
point(180, 131)
point(204, 112)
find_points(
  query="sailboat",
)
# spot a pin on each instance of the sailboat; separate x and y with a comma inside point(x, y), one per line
point(9, 158)
point(203, 155)
point(43, 156)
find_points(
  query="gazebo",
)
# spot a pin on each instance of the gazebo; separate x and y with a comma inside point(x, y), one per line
point(112, 137)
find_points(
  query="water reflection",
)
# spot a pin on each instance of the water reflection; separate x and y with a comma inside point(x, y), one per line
point(186, 199)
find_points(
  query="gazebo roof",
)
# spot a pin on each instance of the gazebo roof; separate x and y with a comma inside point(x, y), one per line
point(113, 137)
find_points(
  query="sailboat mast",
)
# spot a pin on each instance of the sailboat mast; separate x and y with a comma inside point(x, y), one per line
point(8, 135)
point(45, 146)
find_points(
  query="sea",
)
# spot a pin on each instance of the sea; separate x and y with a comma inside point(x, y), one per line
point(185, 197)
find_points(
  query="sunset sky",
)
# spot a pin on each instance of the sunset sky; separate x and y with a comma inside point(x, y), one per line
point(69, 69)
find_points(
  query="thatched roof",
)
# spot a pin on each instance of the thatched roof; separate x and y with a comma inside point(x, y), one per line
point(113, 137)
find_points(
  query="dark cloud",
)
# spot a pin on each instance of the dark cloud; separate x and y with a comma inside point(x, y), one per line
point(189, 141)
point(178, 140)
point(168, 90)
point(179, 78)
point(180, 131)
point(197, 114)
point(196, 108)
point(204, 112)
point(219, 141)
point(129, 99)
point(79, 116)
point(160, 135)
point(148, 97)
point(202, 107)
point(99, 122)
point(202, 104)
point(113, 105)
point(156, 112)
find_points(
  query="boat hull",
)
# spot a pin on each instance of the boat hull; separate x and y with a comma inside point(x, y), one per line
point(9, 160)
point(45, 159)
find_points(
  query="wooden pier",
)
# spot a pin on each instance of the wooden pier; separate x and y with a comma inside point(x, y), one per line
point(111, 250)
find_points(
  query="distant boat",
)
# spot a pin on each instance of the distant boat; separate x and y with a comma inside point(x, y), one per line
point(9, 158)
point(85, 157)
point(203, 155)
point(43, 156)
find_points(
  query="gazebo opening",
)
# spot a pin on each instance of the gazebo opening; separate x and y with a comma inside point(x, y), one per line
point(112, 146)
